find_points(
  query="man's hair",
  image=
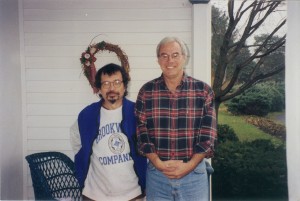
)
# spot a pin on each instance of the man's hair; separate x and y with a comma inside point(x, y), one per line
point(111, 69)
point(168, 39)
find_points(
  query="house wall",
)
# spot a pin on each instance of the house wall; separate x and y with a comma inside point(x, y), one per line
point(53, 35)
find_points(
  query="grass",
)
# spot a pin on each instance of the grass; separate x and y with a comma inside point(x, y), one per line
point(243, 130)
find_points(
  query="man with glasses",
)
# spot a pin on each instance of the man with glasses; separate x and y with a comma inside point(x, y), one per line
point(103, 138)
point(176, 128)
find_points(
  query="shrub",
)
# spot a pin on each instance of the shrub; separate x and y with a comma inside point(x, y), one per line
point(250, 103)
point(276, 93)
point(259, 100)
point(226, 133)
point(249, 170)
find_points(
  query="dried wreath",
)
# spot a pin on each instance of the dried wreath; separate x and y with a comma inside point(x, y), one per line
point(88, 60)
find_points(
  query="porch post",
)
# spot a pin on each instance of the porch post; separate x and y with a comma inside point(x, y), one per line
point(201, 44)
point(201, 40)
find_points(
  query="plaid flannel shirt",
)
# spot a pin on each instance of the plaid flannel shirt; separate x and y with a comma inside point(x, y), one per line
point(176, 125)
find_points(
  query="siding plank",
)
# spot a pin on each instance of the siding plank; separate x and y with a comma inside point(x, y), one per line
point(57, 86)
point(49, 121)
point(107, 26)
point(54, 109)
point(73, 74)
point(92, 4)
point(83, 39)
point(49, 133)
point(43, 62)
point(62, 98)
point(72, 51)
point(106, 14)
point(47, 145)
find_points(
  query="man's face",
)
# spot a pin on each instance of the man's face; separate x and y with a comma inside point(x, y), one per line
point(112, 89)
point(171, 60)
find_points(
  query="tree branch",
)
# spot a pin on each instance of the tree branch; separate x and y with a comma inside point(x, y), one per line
point(249, 84)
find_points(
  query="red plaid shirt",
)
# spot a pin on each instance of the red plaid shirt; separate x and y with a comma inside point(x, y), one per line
point(176, 125)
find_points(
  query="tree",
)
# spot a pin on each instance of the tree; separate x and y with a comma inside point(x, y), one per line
point(236, 56)
point(274, 59)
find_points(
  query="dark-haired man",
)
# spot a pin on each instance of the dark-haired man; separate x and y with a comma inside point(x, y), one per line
point(106, 162)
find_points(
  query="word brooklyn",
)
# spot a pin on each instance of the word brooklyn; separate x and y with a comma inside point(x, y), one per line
point(108, 129)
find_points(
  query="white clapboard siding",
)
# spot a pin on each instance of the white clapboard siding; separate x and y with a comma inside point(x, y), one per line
point(94, 4)
point(107, 26)
point(54, 39)
point(60, 97)
point(48, 133)
point(54, 33)
point(107, 14)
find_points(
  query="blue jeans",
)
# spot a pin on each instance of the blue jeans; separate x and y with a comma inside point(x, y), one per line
point(192, 187)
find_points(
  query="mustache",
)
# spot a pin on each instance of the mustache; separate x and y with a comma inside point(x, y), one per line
point(112, 96)
point(112, 93)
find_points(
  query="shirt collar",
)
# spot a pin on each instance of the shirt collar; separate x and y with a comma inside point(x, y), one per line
point(183, 80)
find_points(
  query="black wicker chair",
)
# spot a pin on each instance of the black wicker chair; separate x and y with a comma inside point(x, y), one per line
point(53, 177)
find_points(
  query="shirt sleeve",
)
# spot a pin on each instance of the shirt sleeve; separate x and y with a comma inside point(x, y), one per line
point(75, 137)
point(144, 143)
point(208, 129)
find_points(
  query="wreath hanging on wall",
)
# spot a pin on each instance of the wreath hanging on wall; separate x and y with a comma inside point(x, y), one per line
point(88, 60)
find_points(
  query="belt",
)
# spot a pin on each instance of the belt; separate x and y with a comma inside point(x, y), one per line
point(185, 160)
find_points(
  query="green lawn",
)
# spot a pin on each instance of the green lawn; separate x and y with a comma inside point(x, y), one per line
point(243, 130)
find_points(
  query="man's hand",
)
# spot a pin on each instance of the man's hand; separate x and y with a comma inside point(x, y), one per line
point(175, 169)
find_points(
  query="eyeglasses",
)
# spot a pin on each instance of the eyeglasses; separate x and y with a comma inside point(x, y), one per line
point(107, 84)
point(166, 57)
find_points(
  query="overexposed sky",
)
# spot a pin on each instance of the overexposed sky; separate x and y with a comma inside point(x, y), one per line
point(271, 22)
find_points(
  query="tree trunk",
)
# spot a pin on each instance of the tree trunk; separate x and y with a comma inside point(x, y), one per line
point(217, 106)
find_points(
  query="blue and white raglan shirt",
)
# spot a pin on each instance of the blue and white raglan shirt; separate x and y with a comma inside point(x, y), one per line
point(115, 172)
point(111, 165)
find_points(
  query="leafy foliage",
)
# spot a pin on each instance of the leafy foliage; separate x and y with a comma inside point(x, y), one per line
point(259, 100)
point(249, 170)
point(226, 133)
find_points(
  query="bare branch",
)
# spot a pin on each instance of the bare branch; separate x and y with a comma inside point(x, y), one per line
point(250, 83)
point(256, 12)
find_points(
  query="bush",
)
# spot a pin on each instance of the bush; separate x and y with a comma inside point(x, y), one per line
point(259, 100)
point(250, 103)
point(226, 133)
point(277, 94)
point(249, 170)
